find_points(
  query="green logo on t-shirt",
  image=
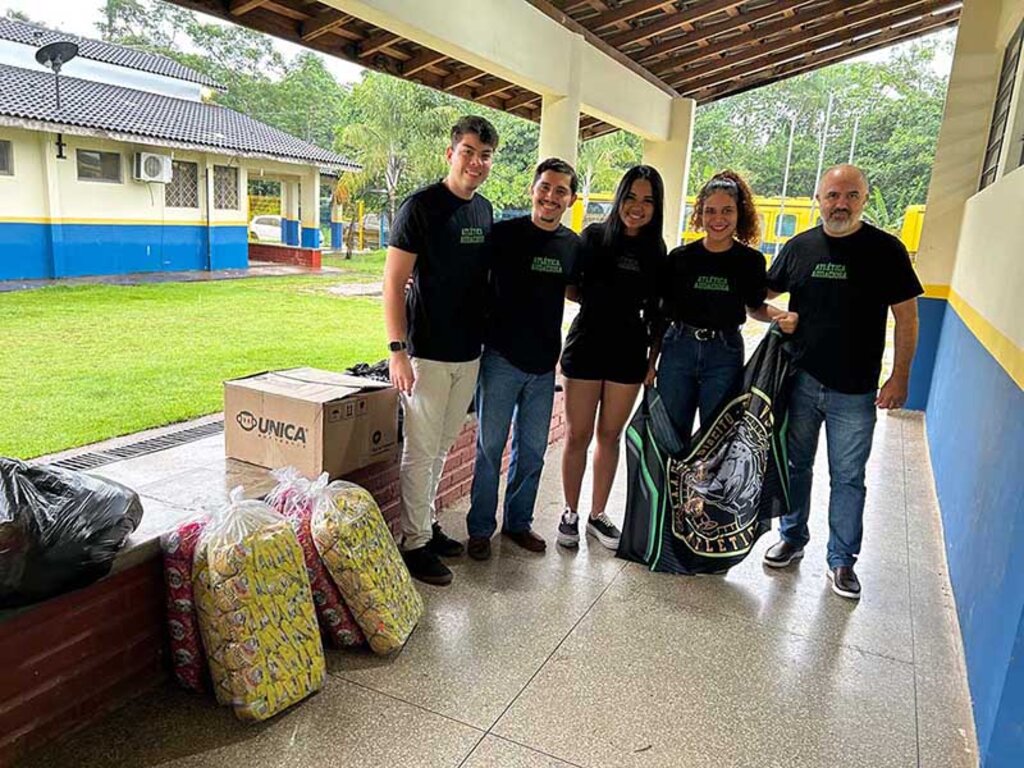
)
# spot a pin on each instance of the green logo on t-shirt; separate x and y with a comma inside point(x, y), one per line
point(829, 270)
point(471, 236)
point(711, 283)
point(546, 264)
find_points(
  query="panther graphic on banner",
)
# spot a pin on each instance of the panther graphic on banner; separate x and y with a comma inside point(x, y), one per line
point(715, 491)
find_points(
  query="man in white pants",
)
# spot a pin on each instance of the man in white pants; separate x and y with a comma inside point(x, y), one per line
point(435, 329)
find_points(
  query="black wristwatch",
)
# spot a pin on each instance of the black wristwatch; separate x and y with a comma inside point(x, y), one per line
point(396, 346)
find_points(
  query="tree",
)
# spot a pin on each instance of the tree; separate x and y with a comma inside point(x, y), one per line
point(601, 161)
point(394, 133)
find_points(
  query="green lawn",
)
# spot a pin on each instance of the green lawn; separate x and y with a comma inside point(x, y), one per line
point(361, 268)
point(85, 363)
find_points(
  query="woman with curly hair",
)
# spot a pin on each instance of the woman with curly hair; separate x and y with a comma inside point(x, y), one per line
point(710, 286)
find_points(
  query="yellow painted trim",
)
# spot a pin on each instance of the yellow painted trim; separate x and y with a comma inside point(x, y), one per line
point(934, 291)
point(1009, 356)
point(120, 222)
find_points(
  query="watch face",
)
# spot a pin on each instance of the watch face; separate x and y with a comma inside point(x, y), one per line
point(396, 346)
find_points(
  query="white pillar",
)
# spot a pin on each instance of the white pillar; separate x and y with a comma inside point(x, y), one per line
point(560, 113)
point(310, 234)
point(672, 159)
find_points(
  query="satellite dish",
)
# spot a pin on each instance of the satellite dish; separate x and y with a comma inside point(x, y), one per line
point(54, 56)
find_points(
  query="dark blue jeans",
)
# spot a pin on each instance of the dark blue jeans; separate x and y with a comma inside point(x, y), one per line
point(849, 428)
point(694, 374)
point(508, 397)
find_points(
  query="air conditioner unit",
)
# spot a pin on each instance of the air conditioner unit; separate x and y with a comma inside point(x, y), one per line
point(153, 167)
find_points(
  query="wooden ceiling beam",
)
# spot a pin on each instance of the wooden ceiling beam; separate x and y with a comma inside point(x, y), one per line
point(701, 35)
point(745, 81)
point(522, 99)
point(864, 20)
point(672, 21)
point(422, 60)
point(377, 42)
point(493, 87)
point(461, 76)
point(624, 12)
point(322, 23)
point(240, 7)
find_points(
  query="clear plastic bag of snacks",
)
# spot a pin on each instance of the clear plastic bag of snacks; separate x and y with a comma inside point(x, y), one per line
point(363, 560)
point(256, 611)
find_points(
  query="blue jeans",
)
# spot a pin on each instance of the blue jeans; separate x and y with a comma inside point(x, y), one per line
point(508, 397)
point(695, 373)
point(849, 429)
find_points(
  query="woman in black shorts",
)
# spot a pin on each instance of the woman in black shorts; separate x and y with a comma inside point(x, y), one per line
point(709, 288)
point(606, 359)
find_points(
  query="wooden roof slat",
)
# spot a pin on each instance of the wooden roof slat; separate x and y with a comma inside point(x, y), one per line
point(706, 33)
point(522, 99)
point(625, 12)
point(322, 23)
point(492, 87)
point(425, 58)
point(831, 56)
point(672, 21)
point(378, 41)
point(863, 19)
point(461, 76)
point(240, 7)
point(810, 57)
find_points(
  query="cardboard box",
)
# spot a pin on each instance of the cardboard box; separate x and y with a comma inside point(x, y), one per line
point(317, 421)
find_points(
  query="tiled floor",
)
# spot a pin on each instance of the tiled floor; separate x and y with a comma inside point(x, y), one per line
point(580, 659)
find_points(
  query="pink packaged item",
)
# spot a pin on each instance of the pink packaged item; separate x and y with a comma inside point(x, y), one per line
point(188, 658)
point(292, 497)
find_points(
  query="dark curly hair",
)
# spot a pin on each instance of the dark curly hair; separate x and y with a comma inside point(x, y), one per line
point(748, 228)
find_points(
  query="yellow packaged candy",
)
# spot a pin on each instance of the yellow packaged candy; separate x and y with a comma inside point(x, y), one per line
point(363, 560)
point(256, 612)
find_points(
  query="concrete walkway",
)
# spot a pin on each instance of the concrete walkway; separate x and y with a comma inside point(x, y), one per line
point(575, 658)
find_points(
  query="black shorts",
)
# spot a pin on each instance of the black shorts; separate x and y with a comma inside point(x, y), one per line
point(605, 356)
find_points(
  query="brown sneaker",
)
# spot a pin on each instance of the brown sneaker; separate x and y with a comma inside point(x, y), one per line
point(478, 548)
point(527, 540)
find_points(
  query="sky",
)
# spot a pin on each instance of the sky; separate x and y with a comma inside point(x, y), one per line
point(79, 17)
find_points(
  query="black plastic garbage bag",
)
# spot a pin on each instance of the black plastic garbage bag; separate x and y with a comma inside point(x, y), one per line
point(701, 510)
point(59, 530)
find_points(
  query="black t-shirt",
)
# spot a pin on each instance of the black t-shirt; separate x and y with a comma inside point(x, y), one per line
point(842, 287)
point(618, 286)
point(451, 239)
point(529, 272)
point(710, 290)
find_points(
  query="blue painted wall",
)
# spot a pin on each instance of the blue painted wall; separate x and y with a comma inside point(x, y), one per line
point(930, 313)
point(71, 250)
point(310, 237)
point(289, 232)
point(24, 251)
point(975, 429)
point(337, 235)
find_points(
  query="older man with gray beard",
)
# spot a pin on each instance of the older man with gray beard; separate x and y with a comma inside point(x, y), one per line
point(842, 277)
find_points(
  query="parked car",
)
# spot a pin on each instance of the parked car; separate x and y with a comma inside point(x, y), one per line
point(266, 228)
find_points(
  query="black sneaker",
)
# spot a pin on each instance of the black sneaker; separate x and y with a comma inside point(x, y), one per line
point(424, 565)
point(569, 529)
point(604, 530)
point(844, 581)
point(444, 546)
point(782, 553)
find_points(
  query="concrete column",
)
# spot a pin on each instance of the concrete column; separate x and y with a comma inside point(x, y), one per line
point(956, 172)
point(672, 159)
point(560, 113)
point(310, 237)
point(290, 212)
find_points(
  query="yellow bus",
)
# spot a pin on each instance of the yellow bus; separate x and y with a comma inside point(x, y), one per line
point(780, 219)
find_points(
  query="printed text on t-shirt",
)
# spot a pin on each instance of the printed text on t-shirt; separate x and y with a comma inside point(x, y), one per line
point(828, 270)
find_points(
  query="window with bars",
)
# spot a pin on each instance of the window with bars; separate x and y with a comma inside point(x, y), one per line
point(225, 187)
point(1001, 113)
point(6, 158)
point(183, 191)
point(94, 165)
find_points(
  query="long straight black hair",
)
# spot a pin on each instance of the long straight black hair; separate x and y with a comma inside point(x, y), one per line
point(614, 228)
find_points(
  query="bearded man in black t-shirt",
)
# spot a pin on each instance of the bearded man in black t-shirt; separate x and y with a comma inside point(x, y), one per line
point(440, 248)
point(842, 278)
point(534, 260)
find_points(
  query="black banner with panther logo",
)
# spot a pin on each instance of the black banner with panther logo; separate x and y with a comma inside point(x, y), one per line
point(701, 510)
